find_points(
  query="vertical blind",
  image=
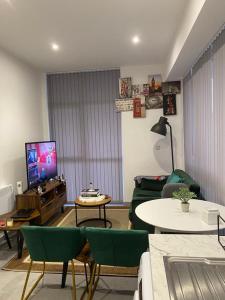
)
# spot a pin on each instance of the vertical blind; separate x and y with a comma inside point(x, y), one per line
point(204, 121)
point(87, 130)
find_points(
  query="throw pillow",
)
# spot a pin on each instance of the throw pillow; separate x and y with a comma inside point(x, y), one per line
point(152, 184)
point(173, 178)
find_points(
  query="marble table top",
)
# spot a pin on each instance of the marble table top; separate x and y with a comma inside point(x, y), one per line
point(177, 245)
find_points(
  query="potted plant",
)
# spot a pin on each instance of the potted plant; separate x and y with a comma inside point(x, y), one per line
point(184, 195)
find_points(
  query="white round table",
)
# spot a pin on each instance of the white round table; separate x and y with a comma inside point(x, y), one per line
point(166, 215)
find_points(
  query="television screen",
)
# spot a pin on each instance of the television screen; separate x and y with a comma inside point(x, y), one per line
point(41, 162)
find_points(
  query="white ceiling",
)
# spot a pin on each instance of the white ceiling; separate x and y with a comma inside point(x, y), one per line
point(92, 34)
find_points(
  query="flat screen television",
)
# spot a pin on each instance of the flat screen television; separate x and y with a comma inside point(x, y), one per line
point(41, 162)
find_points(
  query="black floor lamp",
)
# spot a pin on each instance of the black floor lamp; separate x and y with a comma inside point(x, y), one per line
point(160, 128)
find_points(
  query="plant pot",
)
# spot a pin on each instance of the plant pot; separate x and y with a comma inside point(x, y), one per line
point(185, 207)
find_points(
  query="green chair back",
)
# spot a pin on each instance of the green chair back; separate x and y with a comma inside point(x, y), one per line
point(51, 244)
point(117, 247)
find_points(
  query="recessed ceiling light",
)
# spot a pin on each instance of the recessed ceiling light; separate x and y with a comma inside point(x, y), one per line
point(55, 47)
point(9, 2)
point(135, 39)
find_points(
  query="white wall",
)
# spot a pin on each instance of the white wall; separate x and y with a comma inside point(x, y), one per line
point(22, 103)
point(191, 13)
point(139, 145)
point(201, 23)
point(44, 108)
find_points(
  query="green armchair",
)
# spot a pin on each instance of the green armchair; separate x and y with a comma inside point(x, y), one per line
point(52, 244)
point(114, 247)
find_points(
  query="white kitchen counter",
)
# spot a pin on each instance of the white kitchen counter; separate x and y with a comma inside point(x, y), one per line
point(177, 245)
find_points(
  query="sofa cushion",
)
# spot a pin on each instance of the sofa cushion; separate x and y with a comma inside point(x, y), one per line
point(152, 184)
point(139, 178)
point(191, 183)
point(140, 193)
point(174, 178)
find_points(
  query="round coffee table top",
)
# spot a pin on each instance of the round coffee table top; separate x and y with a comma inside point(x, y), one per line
point(89, 203)
point(166, 214)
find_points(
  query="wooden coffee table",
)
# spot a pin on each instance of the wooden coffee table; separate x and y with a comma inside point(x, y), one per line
point(94, 203)
point(17, 224)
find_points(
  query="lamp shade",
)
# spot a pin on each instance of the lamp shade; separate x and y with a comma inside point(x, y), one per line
point(160, 127)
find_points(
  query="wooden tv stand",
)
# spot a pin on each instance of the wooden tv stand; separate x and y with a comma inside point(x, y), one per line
point(48, 203)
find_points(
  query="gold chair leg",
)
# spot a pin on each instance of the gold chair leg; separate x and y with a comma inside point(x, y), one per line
point(34, 285)
point(73, 281)
point(85, 273)
point(26, 280)
point(91, 282)
point(97, 279)
point(87, 280)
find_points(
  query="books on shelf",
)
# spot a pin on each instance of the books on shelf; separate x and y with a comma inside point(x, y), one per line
point(90, 193)
point(96, 198)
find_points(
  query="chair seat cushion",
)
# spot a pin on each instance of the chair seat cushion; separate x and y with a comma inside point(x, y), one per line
point(138, 192)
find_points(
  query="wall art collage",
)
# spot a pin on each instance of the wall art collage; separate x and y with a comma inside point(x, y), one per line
point(154, 94)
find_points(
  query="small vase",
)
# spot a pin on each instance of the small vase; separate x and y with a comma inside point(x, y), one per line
point(185, 207)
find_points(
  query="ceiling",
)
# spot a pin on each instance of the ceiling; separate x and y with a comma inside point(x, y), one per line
point(91, 34)
point(203, 31)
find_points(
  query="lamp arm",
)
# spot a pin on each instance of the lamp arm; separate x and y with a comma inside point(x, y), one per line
point(171, 144)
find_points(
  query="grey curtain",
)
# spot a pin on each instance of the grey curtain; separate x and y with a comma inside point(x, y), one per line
point(87, 130)
point(204, 122)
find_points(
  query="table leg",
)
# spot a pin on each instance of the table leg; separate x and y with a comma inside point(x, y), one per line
point(104, 215)
point(65, 268)
point(20, 240)
point(99, 212)
point(76, 213)
point(7, 239)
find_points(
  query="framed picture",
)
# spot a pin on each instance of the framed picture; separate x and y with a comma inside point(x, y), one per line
point(155, 84)
point(136, 90)
point(154, 101)
point(172, 87)
point(124, 105)
point(125, 87)
point(145, 89)
point(139, 107)
point(169, 105)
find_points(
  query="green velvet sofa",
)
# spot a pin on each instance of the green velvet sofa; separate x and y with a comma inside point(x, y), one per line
point(147, 188)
